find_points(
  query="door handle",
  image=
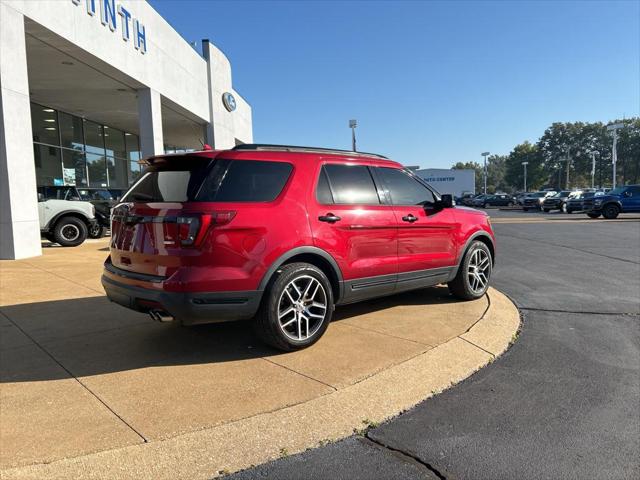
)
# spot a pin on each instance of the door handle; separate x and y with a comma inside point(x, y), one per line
point(329, 218)
point(409, 218)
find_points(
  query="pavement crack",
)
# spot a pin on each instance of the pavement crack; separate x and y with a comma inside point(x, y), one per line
point(83, 385)
point(413, 458)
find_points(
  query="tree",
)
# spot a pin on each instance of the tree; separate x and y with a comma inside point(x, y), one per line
point(514, 170)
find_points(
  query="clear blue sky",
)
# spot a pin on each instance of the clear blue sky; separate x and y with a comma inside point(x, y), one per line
point(431, 83)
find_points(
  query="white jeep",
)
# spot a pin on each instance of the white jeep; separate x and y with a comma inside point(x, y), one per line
point(66, 222)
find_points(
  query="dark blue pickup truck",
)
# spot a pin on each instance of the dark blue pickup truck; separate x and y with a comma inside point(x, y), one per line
point(619, 200)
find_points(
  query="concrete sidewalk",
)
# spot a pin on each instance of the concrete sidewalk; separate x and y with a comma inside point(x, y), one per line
point(92, 390)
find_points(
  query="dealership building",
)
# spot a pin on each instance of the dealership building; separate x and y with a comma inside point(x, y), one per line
point(87, 89)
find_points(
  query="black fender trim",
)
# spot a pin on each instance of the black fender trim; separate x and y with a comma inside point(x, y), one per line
point(300, 251)
point(479, 234)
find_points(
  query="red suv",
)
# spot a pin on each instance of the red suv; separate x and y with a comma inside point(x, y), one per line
point(282, 234)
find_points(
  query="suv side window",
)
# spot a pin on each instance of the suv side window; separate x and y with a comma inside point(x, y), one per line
point(404, 189)
point(351, 184)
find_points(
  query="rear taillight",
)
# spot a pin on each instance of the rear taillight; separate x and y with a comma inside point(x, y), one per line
point(193, 228)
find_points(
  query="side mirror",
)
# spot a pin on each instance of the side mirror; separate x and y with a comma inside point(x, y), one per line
point(446, 201)
point(40, 197)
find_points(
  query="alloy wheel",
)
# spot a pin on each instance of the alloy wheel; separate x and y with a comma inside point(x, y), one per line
point(478, 270)
point(302, 308)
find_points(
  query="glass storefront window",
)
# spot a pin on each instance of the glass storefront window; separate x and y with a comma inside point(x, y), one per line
point(133, 146)
point(94, 138)
point(61, 140)
point(97, 168)
point(44, 125)
point(134, 172)
point(75, 170)
point(117, 170)
point(114, 142)
point(71, 131)
point(48, 165)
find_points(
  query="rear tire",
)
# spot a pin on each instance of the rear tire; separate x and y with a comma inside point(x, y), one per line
point(472, 280)
point(545, 210)
point(70, 231)
point(296, 308)
point(593, 215)
point(525, 209)
point(610, 211)
point(97, 231)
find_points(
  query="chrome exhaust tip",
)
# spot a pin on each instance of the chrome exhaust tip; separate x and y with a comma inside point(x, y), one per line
point(160, 316)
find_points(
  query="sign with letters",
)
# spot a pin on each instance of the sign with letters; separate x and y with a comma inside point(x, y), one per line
point(116, 16)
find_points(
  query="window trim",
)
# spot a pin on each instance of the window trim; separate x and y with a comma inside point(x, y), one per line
point(381, 199)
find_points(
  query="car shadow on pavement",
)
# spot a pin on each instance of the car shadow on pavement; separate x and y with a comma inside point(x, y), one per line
point(92, 336)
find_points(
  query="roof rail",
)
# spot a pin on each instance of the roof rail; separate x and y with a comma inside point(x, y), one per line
point(294, 148)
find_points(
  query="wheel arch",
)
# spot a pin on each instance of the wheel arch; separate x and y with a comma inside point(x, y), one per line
point(314, 256)
point(481, 236)
point(66, 213)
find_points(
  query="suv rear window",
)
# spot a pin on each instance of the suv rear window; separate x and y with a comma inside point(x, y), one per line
point(196, 179)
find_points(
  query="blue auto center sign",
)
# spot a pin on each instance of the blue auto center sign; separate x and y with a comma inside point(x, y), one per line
point(117, 16)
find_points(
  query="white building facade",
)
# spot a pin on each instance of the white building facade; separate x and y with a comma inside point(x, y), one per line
point(451, 181)
point(87, 89)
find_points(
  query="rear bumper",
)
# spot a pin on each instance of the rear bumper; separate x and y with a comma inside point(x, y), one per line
point(188, 308)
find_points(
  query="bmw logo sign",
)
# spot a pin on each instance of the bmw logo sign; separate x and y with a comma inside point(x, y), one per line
point(229, 101)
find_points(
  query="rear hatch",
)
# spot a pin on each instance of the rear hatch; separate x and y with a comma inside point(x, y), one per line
point(168, 218)
point(162, 219)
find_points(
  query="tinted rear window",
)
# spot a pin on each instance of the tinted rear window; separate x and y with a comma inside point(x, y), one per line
point(245, 181)
point(351, 184)
point(196, 179)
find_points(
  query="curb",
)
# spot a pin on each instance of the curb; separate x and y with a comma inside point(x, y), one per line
point(228, 447)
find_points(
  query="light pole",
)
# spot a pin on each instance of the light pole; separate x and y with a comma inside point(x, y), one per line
point(614, 152)
point(352, 125)
point(568, 166)
point(593, 168)
point(524, 164)
point(484, 171)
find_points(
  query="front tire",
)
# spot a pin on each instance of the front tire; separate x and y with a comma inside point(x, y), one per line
point(545, 210)
point(296, 309)
point(610, 211)
point(70, 231)
point(472, 280)
point(97, 231)
point(593, 215)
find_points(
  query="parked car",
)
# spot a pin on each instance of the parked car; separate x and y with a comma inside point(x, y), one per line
point(478, 200)
point(465, 199)
point(468, 201)
point(282, 234)
point(103, 200)
point(557, 201)
point(66, 222)
point(575, 204)
point(619, 200)
point(535, 200)
point(499, 200)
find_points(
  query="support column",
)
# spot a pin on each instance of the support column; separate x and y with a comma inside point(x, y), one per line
point(220, 130)
point(19, 224)
point(150, 122)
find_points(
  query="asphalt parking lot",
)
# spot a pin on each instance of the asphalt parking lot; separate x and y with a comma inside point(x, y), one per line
point(561, 403)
